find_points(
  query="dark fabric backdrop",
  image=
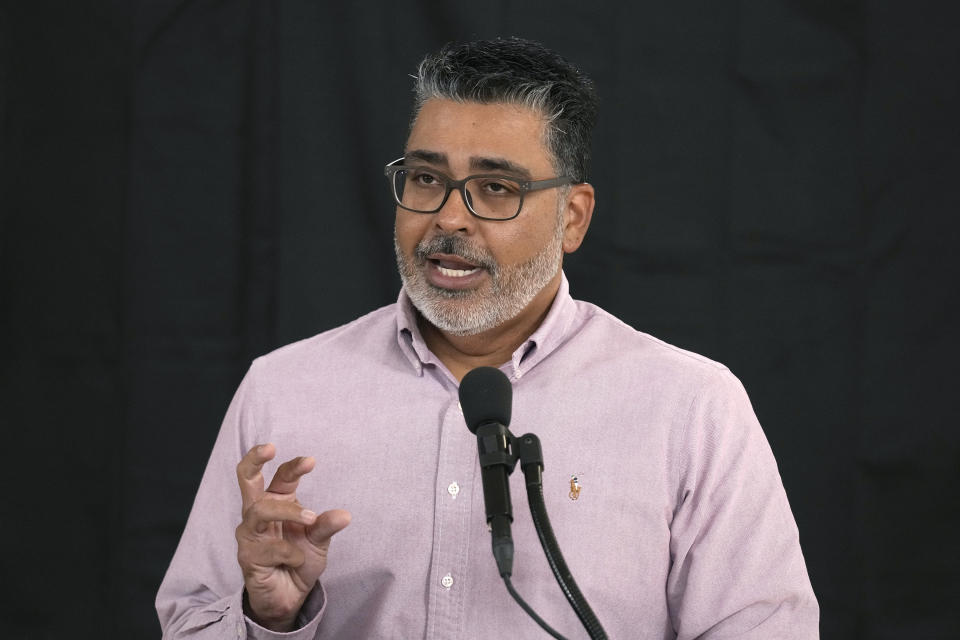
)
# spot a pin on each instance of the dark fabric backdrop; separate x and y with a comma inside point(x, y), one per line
point(189, 184)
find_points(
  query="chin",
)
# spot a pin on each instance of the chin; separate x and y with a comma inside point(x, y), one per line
point(455, 319)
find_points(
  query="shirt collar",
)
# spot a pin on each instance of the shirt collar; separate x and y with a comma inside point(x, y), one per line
point(408, 334)
point(547, 337)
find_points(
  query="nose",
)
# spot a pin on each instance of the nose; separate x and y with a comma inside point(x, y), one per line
point(454, 215)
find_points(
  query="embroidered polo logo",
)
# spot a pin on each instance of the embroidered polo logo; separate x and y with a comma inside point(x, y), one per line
point(574, 487)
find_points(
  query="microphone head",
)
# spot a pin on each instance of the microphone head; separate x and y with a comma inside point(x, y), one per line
point(485, 396)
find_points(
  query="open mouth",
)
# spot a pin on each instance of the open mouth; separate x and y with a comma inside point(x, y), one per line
point(455, 273)
point(453, 266)
point(449, 269)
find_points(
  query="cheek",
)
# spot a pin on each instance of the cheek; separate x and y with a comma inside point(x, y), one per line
point(513, 243)
point(409, 229)
point(509, 245)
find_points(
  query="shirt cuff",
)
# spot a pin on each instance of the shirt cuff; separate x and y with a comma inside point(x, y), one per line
point(307, 620)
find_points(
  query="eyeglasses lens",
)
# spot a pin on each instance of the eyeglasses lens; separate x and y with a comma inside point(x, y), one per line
point(488, 197)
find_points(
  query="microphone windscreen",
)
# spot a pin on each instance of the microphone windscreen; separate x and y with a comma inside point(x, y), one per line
point(485, 396)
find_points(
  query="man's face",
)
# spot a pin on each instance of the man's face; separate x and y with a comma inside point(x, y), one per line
point(464, 274)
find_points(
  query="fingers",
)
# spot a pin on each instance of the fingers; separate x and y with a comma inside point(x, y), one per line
point(249, 474)
point(269, 553)
point(288, 474)
point(258, 517)
point(258, 514)
point(326, 525)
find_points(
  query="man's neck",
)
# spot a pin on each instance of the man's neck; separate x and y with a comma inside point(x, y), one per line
point(493, 347)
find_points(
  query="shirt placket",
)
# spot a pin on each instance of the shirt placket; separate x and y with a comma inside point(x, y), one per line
point(449, 582)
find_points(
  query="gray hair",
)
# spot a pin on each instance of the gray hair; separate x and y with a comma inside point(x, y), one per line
point(522, 73)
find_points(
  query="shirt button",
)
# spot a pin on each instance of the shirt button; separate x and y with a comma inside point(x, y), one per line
point(453, 489)
point(447, 581)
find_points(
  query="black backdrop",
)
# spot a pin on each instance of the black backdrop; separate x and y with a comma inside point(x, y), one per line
point(188, 184)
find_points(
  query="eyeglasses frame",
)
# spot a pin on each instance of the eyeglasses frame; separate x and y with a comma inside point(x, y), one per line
point(526, 186)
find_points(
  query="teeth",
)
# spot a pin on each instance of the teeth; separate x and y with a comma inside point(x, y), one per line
point(457, 273)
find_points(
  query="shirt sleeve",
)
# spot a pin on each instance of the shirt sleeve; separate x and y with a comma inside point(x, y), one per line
point(737, 569)
point(201, 596)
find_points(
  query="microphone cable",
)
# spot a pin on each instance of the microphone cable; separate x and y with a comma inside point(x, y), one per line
point(530, 612)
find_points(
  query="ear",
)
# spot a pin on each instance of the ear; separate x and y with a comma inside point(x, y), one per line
point(577, 216)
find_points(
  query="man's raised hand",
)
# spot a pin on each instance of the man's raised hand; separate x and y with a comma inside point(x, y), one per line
point(281, 547)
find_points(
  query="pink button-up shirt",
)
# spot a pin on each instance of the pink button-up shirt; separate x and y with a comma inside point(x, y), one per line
point(681, 528)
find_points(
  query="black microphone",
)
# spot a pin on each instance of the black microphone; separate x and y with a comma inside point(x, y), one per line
point(486, 397)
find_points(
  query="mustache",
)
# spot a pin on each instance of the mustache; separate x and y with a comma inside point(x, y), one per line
point(455, 246)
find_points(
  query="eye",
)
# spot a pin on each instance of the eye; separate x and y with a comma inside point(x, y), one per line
point(423, 178)
point(500, 187)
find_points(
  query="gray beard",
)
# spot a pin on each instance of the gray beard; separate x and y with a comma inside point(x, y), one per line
point(469, 312)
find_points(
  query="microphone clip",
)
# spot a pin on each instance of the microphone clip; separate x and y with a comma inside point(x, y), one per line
point(495, 446)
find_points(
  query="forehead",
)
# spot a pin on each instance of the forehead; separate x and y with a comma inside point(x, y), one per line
point(462, 131)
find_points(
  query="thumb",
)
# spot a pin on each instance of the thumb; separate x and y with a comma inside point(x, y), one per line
point(327, 524)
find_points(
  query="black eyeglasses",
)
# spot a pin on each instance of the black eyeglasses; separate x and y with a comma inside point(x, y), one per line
point(489, 197)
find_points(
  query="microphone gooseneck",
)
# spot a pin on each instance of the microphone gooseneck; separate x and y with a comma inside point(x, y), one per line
point(531, 461)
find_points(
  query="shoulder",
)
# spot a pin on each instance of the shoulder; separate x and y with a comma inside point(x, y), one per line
point(337, 347)
point(618, 345)
point(698, 400)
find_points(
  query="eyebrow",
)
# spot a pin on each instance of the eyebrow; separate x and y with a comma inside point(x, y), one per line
point(432, 157)
point(477, 163)
point(499, 164)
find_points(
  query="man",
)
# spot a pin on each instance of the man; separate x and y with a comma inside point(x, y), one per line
point(680, 527)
